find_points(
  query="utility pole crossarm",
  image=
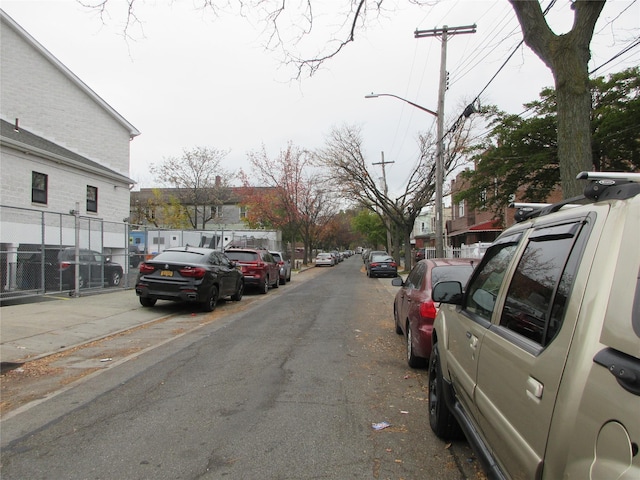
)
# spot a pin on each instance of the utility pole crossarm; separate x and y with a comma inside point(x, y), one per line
point(434, 32)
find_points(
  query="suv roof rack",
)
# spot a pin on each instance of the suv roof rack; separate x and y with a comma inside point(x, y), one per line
point(602, 186)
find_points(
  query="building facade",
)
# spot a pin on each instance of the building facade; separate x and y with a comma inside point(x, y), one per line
point(64, 156)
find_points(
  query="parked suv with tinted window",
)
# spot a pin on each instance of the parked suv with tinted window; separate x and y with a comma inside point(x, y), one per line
point(538, 359)
point(258, 266)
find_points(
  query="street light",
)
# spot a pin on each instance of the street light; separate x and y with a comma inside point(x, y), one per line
point(439, 167)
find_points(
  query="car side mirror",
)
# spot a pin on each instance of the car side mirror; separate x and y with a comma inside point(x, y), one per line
point(447, 292)
point(397, 282)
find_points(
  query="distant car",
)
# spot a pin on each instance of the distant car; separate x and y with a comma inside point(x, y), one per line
point(96, 269)
point(371, 254)
point(413, 309)
point(135, 257)
point(258, 266)
point(189, 274)
point(284, 266)
point(325, 260)
point(382, 266)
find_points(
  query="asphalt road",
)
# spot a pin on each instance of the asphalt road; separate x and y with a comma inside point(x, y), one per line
point(286, 388)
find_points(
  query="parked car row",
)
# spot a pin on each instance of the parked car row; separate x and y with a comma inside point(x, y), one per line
point(329, 259)
point(533, 351)
point(205, 275)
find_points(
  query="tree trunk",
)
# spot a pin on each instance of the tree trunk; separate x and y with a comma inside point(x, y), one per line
point(568, 57)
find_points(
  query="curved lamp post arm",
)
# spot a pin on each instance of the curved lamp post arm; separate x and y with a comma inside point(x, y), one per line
point(424, 109)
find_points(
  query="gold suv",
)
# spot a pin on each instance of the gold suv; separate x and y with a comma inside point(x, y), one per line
point(537, 361)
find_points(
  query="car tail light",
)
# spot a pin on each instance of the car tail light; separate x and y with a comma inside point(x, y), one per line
point(428, 309)
point(194, 272)
point(64, 265)
point(375, 264)
point(146, 268)
point(393, 264)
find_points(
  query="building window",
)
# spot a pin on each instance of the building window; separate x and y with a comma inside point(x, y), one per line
point(39, 182)
point(92, 199)
point(216, 211)
point(243, 211)
point(461, 209)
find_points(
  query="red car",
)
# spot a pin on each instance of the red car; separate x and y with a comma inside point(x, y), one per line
point(258, 267)
point(413, 309)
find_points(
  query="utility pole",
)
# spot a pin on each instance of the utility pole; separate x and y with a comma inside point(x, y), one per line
point(384, 179)
point(444, 34)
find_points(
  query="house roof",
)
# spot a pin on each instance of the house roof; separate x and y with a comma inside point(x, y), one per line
point(6, 19)
point(23, 140)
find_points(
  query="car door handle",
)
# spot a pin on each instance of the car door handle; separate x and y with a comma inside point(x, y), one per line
point(534, 389)
point(473, 340)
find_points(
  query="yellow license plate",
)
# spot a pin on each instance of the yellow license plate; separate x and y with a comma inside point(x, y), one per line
point(166, 273)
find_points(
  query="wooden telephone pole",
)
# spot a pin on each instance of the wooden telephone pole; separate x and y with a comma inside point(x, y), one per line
point(444, 33)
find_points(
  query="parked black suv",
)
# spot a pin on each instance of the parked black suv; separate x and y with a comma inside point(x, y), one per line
point(96, 269)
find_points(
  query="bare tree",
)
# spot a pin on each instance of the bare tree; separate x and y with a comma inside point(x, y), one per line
point(343, 155)
point(294, 200)
point(201, 184)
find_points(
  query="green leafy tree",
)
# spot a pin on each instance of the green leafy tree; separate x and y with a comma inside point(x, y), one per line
point(371, 227)
point(520, 155)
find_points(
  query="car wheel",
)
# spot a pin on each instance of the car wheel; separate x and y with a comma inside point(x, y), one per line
point(412, 359)
point(442, 422)
point(395, 319)
point(236, 297)
point(114, 279)
point(212, 300)
point(276, 284)
point(283, 280)
point(288, 279)
point(264, 288)
point(147, 301)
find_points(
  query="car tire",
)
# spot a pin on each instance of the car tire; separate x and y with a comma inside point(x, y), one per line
point(236, 297)
point(115, 278)
point(441, 420)
point(283, 281)
point(395, 320)
point(413, 360)
point(210, 303)
point(147, 301)
point(264, 287)
point(276, 284)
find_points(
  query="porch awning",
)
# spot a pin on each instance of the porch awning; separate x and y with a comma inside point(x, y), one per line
point(488, 226)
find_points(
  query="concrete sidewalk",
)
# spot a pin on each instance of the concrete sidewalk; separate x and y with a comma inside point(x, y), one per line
point(32, 330)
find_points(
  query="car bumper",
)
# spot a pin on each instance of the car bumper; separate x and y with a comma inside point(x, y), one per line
point(186, 293)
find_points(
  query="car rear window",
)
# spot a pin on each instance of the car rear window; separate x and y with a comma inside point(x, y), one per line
point(179, 257)
point(243, 256)
point(277, 256)
point(458, 273)
point(381, 258)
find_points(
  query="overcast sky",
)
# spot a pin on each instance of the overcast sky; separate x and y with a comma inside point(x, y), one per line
point(189, 78)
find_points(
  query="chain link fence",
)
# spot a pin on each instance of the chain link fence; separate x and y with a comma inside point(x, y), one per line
point(47, 252)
